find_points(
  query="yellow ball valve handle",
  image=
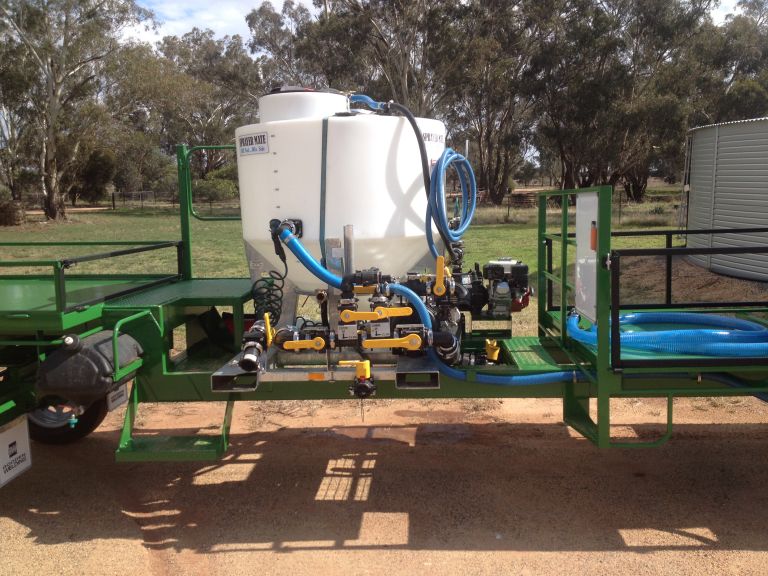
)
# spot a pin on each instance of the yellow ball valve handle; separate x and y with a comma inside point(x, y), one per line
point(439, 287)
point(317, 343)
point(268, 329)
point(492, 350)
point(410, 342)
point(362, 368)
point(379, 313)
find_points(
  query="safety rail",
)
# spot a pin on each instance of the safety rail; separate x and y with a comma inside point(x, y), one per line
point(60, 265)
point(45, 343)
point(547, 277)
point(120, 373)
point(615, 260)
point(187, 210)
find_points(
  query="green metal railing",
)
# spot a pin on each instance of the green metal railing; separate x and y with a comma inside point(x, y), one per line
point(120, 373)
point(187, 210)
point(553, 318)
point(60, 265)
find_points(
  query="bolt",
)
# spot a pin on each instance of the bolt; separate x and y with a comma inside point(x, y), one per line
point(68, 340)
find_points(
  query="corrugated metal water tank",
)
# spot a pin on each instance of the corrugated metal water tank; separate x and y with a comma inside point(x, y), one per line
point(729, 189)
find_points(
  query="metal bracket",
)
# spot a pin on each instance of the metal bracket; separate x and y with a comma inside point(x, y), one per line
point(232, 378)
point(418, 373)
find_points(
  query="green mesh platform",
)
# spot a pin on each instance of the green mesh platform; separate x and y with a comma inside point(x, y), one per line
point(36, 294)
point(198, 291)
point(529, 354)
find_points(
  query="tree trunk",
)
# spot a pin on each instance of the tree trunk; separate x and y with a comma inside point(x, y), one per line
point(53, 204)
point(635, 185)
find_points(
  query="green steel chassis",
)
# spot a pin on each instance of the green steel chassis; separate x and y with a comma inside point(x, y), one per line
point(37, 311)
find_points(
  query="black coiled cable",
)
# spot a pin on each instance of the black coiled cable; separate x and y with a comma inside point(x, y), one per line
point(267, 295)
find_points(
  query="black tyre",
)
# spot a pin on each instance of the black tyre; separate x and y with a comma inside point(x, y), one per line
point(49, 423)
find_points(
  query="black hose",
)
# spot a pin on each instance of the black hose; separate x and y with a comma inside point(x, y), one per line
point(424, 164)
point(267, 295)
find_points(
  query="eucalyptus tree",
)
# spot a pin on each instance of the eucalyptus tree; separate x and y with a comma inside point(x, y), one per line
point(16, 115)
point(610, 74)
point(65, 44)
point(488, 62)
point(221, 85)
point(274, 42)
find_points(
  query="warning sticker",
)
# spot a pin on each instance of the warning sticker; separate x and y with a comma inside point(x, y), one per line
point(253, 144)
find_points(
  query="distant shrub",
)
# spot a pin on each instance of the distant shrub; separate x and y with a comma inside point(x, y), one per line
point(214, 190)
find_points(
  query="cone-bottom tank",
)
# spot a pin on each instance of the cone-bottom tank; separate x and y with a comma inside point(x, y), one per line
point(331, 170)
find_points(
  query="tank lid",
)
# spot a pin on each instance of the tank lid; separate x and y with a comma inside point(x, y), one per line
point(293, 103)
point(285, 89)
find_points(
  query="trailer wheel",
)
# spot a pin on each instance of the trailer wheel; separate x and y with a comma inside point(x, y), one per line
point(49, 423)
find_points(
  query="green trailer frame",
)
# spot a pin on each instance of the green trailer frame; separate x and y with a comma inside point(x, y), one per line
point(149, 308)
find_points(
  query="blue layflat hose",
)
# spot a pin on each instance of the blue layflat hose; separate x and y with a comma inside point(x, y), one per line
point(722, 336)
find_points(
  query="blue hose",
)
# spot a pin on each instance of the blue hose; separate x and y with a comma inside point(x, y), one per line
point(722, 337)
point(367, 100)
point(308, 260)
point(324, 275)
point(495, 380)
point(436, 208)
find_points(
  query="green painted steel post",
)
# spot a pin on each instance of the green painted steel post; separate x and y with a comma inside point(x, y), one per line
point(185, 202)
point(607, 381)
point(542, 287)
point(60, 287)
point(564, 201)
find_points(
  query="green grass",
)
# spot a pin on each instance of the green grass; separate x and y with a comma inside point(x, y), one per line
point(218, 248)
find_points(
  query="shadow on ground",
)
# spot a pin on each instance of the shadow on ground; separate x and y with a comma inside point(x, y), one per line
point(436, 487)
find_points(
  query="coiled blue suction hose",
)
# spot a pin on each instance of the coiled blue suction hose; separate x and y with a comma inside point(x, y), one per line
point(437, 211)
point(722, 337)
point(295, 246)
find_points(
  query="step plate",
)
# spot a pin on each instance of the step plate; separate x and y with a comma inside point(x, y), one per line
point(171, 449)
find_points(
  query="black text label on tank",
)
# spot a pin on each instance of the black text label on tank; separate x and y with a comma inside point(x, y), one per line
point(253, 144)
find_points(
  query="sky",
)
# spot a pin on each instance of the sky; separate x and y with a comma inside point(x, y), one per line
point(227, 17)
point(224, 17)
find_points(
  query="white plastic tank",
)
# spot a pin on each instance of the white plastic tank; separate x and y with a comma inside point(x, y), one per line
point(373, 180)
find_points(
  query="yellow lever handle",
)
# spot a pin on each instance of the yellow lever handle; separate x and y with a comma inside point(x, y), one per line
point(380, 313)
point(362, 367)
point(439, 288)
point(410, 342)
point(268, 328)
point(317, 343)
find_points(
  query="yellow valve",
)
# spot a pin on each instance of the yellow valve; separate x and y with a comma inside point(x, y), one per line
point(379, 313)
point(492, 350)
point(439, 288)
point(268, 327)
point(410, 342)
point(364, 289)
point(317, 343)
point(362, 368)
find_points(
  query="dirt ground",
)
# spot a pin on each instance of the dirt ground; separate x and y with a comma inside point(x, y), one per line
point(441, 487)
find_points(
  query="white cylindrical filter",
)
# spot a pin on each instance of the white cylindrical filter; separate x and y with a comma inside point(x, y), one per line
point(369, 175)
